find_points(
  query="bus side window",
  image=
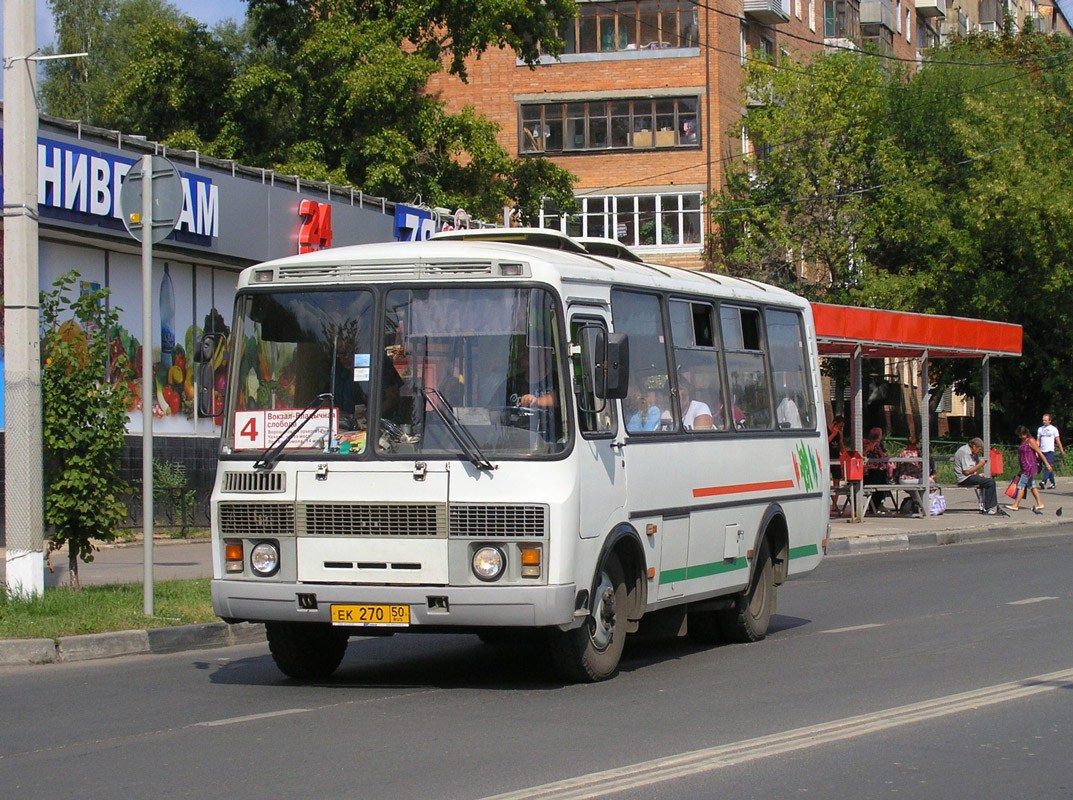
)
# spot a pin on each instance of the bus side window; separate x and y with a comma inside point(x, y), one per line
point(789, 365)
point(696, 357)
point(748, 383)
point(649, 405)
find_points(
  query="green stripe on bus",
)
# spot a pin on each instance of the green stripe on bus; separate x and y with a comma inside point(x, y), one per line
point(804, 551)
point(719, 567)
point(702, 570)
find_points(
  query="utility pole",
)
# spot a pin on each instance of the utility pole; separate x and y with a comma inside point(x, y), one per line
point(24, 500)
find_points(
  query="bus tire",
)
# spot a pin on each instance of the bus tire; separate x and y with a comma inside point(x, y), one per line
point(306, 650)
point(591, 652)
point(748, 618)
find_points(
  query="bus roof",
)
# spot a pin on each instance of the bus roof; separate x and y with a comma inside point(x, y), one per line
point(444, 259)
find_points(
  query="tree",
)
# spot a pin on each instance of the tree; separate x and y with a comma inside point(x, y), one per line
point(328, 91)
point(946, 190)
point(435, 29)
point(110, 32)
point(84, 397)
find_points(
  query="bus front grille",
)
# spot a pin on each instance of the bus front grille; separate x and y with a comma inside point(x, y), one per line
point(256, 519)
point(420, 520)
point(254, 482)
point(485, 521)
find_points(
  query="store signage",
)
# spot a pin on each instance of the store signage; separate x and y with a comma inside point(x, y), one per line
point(316, 230)
point(413, 224)
point(82, 185)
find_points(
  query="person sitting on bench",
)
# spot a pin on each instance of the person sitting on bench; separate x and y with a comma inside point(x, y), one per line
point(969, 461)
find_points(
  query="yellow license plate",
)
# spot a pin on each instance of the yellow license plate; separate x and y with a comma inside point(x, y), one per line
point(366, 616)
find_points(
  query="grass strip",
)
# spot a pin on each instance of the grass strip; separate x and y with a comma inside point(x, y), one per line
point(97, 609)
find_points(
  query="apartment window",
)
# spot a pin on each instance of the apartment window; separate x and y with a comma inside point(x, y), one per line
point(602, 27)
point(812, 15)
point(632, 124)
point(767, 49)
point(841, 19)
point(655, 220)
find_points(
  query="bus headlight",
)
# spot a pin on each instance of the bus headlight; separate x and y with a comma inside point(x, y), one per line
point(488, 563)
point(264, 559)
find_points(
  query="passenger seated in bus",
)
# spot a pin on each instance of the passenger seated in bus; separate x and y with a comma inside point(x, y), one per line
point(695, 414)
point(646, 412)
point(737, 412)
point(787, 414)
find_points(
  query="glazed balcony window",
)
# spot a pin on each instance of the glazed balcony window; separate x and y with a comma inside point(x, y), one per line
point(640, 123)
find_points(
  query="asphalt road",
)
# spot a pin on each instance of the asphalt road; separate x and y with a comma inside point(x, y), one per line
point(944, 673)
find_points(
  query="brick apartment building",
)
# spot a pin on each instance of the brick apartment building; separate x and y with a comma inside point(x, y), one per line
point(645, 104)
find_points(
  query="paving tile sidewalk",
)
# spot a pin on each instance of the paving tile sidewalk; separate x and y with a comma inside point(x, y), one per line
point(961, 523)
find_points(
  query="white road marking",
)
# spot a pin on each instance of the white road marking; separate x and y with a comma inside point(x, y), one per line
point(646, 773)
point(854, 628)
point(252, 717)
point(1030, 600)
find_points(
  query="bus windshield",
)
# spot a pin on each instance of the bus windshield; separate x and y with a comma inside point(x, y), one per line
point(445, 371)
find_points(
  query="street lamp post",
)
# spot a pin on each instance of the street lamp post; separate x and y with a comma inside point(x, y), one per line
point(24, 500)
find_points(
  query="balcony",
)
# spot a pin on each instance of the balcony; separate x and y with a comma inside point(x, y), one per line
point(878, 12)
point(931, 8)
point(769, 12)
point(956, 26)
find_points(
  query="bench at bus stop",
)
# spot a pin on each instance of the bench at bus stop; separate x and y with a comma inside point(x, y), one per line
point(853, 470)
point(858, 495)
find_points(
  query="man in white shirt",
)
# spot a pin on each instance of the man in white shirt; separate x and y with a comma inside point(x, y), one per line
point(1048, 437)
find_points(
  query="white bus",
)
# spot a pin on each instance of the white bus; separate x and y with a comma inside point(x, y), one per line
point(485, 437)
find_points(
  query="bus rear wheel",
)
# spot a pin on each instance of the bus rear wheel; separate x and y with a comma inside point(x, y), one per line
point(306, 650)
point(748, 618)
point(591, 652)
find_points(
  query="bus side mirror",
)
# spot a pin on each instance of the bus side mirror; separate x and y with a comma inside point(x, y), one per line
point(208, 355)
point(612, 367)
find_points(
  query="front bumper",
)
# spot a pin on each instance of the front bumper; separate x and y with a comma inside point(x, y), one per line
point(430, 606)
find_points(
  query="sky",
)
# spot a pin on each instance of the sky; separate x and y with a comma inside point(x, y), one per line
point(208, 11)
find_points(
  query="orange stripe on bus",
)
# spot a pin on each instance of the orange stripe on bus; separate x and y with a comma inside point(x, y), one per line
point(711, 491)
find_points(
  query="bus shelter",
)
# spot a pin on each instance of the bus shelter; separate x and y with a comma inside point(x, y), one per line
point(860, 333)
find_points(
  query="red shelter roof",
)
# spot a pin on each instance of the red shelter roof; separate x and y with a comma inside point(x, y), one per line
point(882, 334)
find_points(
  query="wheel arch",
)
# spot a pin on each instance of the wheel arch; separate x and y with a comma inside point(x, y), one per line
point(624, 543)
point(775, 531)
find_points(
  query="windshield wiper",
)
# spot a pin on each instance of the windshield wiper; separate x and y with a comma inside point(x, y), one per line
point(268, 458)
point(462, 435)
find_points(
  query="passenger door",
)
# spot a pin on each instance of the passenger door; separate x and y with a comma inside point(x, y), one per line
point(599, 445)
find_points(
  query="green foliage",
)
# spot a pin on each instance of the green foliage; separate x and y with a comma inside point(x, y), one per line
point(171, 489)
point(326, 90)
point(84, 418)
point(947, 190)
point(433, 29)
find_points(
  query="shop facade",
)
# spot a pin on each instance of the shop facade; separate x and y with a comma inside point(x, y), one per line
point(232, 217)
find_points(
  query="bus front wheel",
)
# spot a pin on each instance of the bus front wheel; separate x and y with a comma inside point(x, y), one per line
point(748, 618)
point(592, 651)
point(306, 650)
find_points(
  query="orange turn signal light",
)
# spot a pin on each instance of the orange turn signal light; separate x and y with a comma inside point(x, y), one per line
point(530, 556)
point(233, 554)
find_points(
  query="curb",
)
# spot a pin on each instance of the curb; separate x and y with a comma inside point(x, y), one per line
point(153, 641)
point(912, 541)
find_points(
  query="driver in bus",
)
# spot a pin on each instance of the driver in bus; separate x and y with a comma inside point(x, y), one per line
point(532, 384)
